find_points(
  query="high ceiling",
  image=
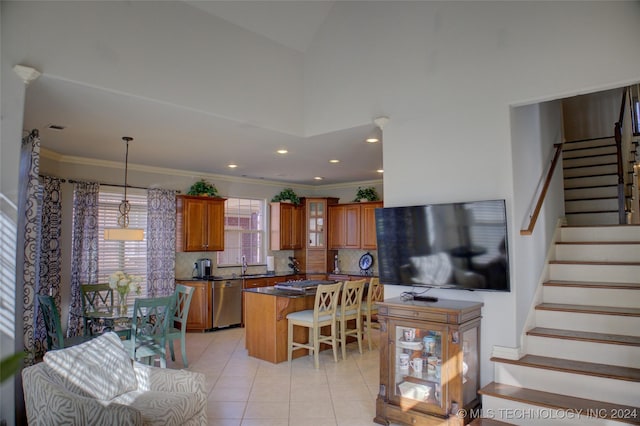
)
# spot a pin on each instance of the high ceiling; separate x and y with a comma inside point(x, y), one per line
point(178, 137)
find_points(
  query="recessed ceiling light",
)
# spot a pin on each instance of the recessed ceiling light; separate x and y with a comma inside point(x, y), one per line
point(373, 140)
point(232, 166)
point(318, 178)
point(380, 171)
point(282, 151)
point(334, 161)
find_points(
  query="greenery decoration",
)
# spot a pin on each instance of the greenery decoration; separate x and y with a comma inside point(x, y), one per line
point(10, 365)
point(202, 187)
point(287, 194)
point(368, 194)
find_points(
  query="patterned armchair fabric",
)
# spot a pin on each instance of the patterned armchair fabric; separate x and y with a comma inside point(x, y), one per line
point(62, 389)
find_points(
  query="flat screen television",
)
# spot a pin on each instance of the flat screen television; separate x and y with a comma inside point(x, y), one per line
point(452, 246)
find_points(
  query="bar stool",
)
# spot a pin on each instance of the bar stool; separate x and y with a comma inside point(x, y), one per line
point(349, 309)
point(369, 307)
point(322, 314)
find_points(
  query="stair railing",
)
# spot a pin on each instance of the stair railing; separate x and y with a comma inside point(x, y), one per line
point(617, 131)
point(533, 217)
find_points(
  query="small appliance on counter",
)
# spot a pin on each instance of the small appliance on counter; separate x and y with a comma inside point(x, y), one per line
point(203, 267)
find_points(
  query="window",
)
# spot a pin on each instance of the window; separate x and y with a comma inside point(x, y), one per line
point(243, 232)
point(126, 256)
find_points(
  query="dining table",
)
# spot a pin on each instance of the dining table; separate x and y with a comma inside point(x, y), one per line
point(102, 321)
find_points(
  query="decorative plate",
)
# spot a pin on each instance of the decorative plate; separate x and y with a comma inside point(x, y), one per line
point(415, 345)
point(366, 261)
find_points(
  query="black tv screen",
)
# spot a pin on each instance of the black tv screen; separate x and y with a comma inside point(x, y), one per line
point(453, 246)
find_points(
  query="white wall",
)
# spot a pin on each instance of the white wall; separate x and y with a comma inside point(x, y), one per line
point(592, 115)
point(534, 130)
point(163, 50)
point(447, 74)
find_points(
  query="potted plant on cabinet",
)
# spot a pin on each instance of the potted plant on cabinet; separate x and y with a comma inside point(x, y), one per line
point(366, 194)
point(287, 194)
point(203, 188)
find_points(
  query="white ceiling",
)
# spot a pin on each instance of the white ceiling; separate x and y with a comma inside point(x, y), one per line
point(177, 137)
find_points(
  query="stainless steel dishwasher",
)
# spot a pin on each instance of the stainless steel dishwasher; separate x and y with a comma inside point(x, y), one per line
point(227, 303)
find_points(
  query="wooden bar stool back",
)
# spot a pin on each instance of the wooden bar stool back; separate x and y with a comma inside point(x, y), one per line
point(369, 307)
point(322, 314)
point(349, 309)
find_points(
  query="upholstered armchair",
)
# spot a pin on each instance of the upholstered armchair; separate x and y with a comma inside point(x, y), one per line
point(96, 383)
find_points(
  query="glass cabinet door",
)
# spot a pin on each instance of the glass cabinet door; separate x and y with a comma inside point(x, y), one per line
point(316, 224)
point(470, 367)
point(417, 358)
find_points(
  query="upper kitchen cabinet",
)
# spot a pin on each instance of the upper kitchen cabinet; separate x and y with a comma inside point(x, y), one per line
point(200, 223)
point(353, 226)
point(344, 226)
point(368, 225)
point(287, 221)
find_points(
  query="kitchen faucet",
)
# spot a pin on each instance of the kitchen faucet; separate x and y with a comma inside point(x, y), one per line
point(244, 265)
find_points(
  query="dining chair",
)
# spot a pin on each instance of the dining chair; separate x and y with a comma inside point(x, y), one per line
point(149, 324)
point(96, 299)
point(349, 309)
point(51, 316)
point(369, 307)
point(323, 314)
point(178, 324)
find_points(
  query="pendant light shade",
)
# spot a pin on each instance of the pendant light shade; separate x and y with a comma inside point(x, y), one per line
point(123, 232)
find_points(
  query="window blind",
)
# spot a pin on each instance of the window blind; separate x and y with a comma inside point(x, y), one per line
point(126, 256)
point(243, 232)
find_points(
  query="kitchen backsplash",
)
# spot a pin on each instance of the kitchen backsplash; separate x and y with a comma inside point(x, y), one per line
point(348, 261)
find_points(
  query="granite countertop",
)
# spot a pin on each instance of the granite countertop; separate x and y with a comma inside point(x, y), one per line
point(236, 277)
point(271, 291)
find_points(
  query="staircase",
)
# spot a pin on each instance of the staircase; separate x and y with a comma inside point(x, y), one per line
point(590, 170)
point(582, 362)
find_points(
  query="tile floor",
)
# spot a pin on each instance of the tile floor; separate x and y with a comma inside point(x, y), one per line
point(245, 391)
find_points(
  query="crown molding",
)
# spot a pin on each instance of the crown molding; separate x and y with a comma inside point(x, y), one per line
point(83, 161)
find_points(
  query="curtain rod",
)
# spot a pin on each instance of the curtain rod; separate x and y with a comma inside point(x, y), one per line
point(113, 184)
point(60, 179)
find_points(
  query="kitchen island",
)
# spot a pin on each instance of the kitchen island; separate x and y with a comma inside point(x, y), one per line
point(266, 310)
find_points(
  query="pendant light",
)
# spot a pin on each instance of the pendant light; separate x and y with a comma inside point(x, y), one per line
point(123, 232)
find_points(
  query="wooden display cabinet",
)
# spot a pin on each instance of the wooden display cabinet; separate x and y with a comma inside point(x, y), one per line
point(287, 222)
point(429, 362)
point(315, 257)
point(199, 223)
point(200, 316)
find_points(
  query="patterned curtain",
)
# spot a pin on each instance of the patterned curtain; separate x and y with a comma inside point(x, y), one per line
point(84, 250)
point(161, 242)
point(28, 203)
point(49, 252)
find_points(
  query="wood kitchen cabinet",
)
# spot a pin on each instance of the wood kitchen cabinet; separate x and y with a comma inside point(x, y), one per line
point(200, 310)
point(315, 257)
point(344, 226)
point(287, 222)
point(200, 223)
point(429, 362)
point(368, 225)
point(353, 226)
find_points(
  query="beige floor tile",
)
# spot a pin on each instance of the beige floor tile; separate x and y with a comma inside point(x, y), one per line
point(225, 410)
point(311, 409)
point(270, 392)
point(312, 422)
point(267, 410)
point(265, 422)
point(249, 392)
point(306, 392)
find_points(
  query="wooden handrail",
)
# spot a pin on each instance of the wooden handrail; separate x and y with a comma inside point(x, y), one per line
point(622, 217)
point(534, 217)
